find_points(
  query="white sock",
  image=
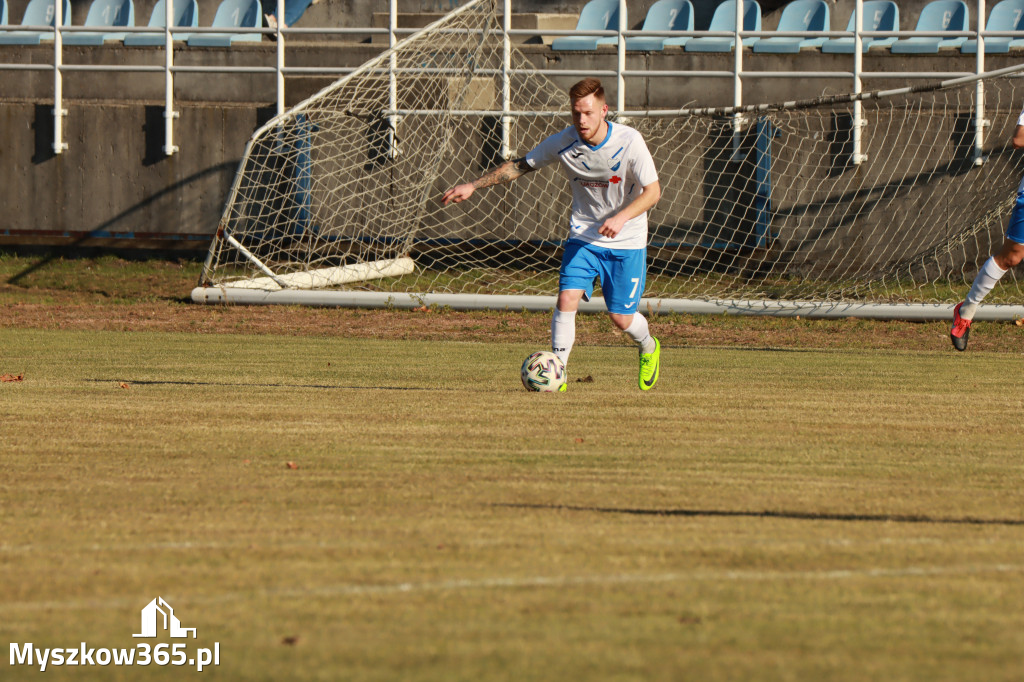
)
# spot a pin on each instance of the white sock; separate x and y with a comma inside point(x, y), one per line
point(987, 278)
point(563, 333)
point(641, 333)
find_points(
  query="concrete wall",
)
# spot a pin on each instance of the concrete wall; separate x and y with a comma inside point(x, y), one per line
point(114, 179)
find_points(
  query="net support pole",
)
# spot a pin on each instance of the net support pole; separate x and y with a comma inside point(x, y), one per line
point(858, 156)
point(506, 80)
point(169, 113)
point(979, 95)
point(253, 259)
point(222, 227)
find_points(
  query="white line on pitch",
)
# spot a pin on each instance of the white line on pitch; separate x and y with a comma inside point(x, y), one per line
point(362, 590)
point(636, 578)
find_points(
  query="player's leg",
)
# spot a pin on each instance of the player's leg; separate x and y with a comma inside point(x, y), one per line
point(1011, 253)
point(622, 282)
point(637, 328)
point(563, 323)
point(575, 282)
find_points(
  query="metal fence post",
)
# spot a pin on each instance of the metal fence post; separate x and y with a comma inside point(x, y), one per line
point(59, 112)
point(169, 113)
point(737, 83)
point(858, 156)
point(280, 57)
point(980, 122)
point(506, 80)
point(620, 64)
point(392, 80)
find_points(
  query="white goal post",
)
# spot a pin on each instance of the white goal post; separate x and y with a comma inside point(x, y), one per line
point(336, 201)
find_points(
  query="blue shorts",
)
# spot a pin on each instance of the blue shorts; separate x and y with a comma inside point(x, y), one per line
point(622, 273)
point(1015, 231)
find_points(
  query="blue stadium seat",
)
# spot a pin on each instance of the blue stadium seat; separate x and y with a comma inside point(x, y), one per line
point(879, 15)
point(596, 15)
point(724, 19)
point(1008, 15)
point(185, 14)
point(941, 15)
point(294, 9)
point(3, 11)
point(232, 14)
point(664, 15)
point(38, 13)
point(799, 15)
point(105, 13)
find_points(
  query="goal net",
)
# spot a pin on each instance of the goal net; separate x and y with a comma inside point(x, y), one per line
point(337, 201)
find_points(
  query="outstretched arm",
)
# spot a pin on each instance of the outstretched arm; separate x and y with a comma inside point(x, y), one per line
point(506, 172)
point(1018, 137)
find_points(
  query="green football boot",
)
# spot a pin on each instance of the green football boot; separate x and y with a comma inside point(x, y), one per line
point(650, 363)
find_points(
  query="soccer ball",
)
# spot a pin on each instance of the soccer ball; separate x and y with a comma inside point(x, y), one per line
point(544, 372)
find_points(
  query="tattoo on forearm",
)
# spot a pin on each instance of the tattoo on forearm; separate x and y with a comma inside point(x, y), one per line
point(506, 172)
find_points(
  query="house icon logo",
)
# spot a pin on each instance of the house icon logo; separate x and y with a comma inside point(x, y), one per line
point(151, 621)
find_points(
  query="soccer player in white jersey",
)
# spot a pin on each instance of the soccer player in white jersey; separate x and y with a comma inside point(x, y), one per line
point(614, 184)
point(1011, 253)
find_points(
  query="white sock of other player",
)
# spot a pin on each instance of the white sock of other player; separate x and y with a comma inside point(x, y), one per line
point(988, 276)
point(563, 333)
point(641, 333)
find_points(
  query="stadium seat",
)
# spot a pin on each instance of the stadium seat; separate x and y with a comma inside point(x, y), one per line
point(186, 14)
point(799, 15)
point(724, 19)
point(293, 11)
point(879, 15)
point(941, 15)
point(596, 15)
point(1008, 15)
point(105, 13)
point(3, 11)
point(38, 13)
point(664, 15)
point(232, 14)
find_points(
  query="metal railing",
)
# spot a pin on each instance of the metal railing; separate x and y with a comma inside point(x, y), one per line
point(620, 73)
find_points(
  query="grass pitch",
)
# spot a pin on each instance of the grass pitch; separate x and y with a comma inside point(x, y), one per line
point(360, 509)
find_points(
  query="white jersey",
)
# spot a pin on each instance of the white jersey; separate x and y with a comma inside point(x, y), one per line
point(1020, 122)
point(605, 178)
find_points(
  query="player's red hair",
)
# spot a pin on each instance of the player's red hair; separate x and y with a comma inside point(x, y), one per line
point(587, 86)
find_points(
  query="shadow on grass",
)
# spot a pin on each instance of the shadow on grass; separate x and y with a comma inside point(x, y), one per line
point(49, 255)
point(137, 382)
point(766, 514)
point(82, 249)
